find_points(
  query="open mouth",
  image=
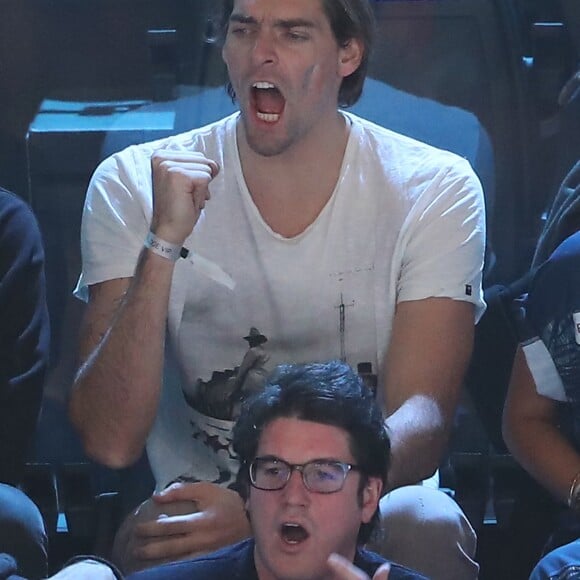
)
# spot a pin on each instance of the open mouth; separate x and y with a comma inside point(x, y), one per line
point(268, 101)
point(293, 533)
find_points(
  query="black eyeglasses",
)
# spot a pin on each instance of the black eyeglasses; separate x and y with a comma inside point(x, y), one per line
point(319, 475)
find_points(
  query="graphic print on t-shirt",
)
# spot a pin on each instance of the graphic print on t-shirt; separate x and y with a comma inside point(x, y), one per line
point(222, 396)
point(229, 343)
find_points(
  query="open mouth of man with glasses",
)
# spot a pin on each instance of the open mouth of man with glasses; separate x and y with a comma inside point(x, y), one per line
point(307, 499)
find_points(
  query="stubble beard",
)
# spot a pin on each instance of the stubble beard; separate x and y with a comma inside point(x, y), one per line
point(263, 145)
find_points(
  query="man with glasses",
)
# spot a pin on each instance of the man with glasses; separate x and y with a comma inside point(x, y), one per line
point(314, 458)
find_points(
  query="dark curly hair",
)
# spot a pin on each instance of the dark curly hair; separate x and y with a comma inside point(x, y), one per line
point(330, 393)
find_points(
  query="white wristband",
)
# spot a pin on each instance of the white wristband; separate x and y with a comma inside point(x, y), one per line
point(165, 249)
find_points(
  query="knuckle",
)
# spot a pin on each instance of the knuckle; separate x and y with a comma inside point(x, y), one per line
point(157, 156)
point(150, 551)
point(171, 168)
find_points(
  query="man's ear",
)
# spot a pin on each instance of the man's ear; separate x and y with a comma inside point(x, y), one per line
point(350, 56)
point(370, 498)
point(247, 509)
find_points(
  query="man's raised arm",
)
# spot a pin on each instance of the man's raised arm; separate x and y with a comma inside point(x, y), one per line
point(116, 392)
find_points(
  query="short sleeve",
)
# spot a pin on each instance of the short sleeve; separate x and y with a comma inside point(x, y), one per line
point(445, 245)
point(116, 218)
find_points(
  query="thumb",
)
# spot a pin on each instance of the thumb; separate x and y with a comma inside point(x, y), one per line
point(383, 572)
point(178, 491)
point(344, 569)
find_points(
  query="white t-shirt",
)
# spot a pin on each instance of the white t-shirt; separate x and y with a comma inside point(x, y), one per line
point(405, 222)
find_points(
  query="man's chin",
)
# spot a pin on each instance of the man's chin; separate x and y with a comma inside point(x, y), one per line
point(264, 149)
point(297, 566)
point(266, 140)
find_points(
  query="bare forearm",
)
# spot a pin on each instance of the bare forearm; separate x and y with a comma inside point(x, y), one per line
point(116, 392)
point(545, 454)
point(530, 430)
point(419, 434)
point(425, 363)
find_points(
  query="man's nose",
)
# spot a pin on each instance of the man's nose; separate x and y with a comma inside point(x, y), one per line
point(295, 491)
point(265, 50)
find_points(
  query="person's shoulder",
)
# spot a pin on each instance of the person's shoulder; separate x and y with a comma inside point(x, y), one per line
point(443, 126)
point(365, 126)
point(138, 155)
point(554, 278)
point(406, 161)
point(190, 139)
point(16, 217)
point(405, 146)
point(569, 249)
point(11, 202)
point(553, 290)
point(399, 572)
point(369, 561)
point(224, 564)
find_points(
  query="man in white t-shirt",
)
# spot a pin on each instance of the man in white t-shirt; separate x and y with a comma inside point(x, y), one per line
point(325, 236)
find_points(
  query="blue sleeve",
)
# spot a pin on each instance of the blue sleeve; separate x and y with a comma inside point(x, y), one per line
point(24, 332)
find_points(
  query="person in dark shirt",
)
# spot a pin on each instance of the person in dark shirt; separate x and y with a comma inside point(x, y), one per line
point(24, 350)
point(320, 420)
point(314, 456)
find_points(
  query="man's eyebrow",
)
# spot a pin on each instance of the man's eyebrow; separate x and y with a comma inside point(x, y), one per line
point(243, 19)
point(294, 23)
point(281, 23)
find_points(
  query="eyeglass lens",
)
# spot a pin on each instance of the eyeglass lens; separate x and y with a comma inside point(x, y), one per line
point(318, 476)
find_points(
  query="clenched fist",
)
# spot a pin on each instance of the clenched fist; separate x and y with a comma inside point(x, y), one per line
point(180, 190)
